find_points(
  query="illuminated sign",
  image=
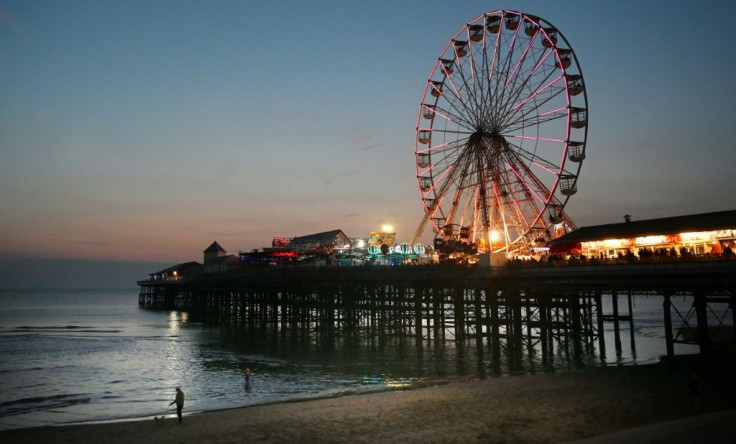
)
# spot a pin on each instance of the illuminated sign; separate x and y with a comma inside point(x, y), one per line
point(381, 237)
point(650, 240)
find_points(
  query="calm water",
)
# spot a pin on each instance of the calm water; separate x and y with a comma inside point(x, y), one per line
point(93, 355)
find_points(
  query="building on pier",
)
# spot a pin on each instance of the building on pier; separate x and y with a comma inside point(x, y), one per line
point(176, 272)
point(216, 260)
point(312, 249)
point(327, 241)
point(696, 234)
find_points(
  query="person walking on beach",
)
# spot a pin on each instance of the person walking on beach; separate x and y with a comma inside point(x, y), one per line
point(179, 400)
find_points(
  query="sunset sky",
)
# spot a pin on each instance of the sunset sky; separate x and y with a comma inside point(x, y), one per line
point(145, 130)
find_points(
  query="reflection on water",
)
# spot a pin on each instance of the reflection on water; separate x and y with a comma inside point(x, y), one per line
point(94, 355)
point(399, 356)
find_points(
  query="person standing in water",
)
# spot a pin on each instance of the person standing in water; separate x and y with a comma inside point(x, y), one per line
point(247, 377)
point(179, 400)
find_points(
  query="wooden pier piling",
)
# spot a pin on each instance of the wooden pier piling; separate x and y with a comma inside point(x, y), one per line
point(512, 312)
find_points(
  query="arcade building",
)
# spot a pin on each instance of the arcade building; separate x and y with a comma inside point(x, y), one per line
point(692, 235)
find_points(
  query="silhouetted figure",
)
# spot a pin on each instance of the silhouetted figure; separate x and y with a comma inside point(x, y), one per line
point(179, 400)
point(247, 377)
point(630, 256)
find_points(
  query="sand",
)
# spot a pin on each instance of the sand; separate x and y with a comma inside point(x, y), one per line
point(525, 408)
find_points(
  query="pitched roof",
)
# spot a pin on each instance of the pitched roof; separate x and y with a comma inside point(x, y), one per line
point(667, 225)
point(327, 235)
point(181, 268)
point(214, 248)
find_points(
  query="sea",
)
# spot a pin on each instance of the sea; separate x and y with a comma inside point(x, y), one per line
point(85, 356)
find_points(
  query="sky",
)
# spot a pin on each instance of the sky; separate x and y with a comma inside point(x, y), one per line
point(141, 131)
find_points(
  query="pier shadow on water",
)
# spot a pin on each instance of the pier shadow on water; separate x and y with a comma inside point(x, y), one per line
point(530, 339)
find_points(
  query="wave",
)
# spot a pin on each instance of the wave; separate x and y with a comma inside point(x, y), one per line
point(60, 329)
point(40, 403)
point(54, 327)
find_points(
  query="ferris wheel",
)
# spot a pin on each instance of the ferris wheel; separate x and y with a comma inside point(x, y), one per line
point(500, 136)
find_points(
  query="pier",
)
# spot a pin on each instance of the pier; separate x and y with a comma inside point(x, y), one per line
point(503, 311)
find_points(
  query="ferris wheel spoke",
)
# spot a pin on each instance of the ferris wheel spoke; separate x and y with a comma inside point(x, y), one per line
point(531, 88)
point(522, 124)
point(457, 198)
point(523, 76)
point(519, 167)
point(549, 195)
point(467, 79)
point(487, 65)
point(457, 112)
point(532, 158)
point(523, 120)
point(517, 213)
point(457, 139)
point(449, 163)
point(456, 108)
point(527, 184)
point(494, 59)
point(539, 91)
point(493, 72)
point(515, 218)
point(552, 168)
point(521, 60)
point(511, 73)
point(530, 82)
point(504, 77)
point(434, 111)
point(536, 109)
point(449, 179)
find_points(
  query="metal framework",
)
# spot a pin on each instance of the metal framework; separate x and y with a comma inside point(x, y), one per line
point(501, 135)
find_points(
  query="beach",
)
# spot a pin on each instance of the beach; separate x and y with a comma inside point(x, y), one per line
point(556, 407)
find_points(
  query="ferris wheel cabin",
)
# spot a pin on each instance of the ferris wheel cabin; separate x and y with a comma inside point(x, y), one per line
point(578, 117)
point(428, 112)
point(476, 33)
point(494, 24)
point(568, 185)
point(425, 136)
point(423, 160)
point(574, 84)
point(447, 66)
point(565, 58)
point(436, 88)
point(576, 151)
point(512, 23)
point(460, 48)
point(550, 39)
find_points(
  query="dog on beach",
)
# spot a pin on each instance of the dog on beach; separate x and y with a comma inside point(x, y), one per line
point(158, 420)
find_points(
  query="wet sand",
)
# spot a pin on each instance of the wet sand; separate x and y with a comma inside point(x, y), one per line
point(526, 408)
